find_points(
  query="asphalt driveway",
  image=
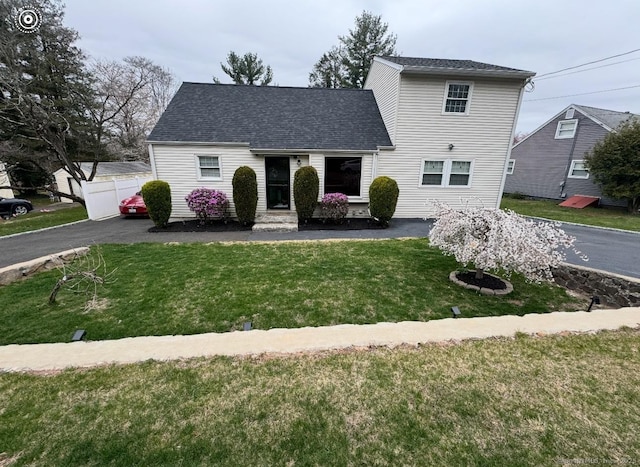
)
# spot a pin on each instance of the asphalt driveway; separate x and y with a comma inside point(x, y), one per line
point(608, 250)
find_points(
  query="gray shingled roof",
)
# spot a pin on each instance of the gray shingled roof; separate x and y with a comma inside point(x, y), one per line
point(449, 65)
point(116, 168)
point(271, 117)
point(611, 118)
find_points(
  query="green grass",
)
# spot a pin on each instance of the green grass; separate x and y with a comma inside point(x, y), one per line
point(39, 220)
point(196, 288)
point(523, 401)
point(601, 217)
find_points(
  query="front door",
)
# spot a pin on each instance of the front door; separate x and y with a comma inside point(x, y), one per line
point(278, 182)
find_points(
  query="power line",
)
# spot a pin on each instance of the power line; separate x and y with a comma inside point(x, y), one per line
point(582, 94)
point(587, 69)
point(588, 63)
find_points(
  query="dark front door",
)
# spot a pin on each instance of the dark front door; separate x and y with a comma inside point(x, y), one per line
point(278, 182)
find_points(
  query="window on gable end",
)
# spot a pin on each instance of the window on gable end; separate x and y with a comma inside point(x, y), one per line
point(510, 166)
point(578, 169)
point(566, 129)
point(457, 97)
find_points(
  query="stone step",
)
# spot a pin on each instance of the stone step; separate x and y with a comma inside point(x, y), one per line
point(275, 227)
point(277, 218)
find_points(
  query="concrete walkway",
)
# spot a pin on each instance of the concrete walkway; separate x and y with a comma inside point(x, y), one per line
point(39, 357)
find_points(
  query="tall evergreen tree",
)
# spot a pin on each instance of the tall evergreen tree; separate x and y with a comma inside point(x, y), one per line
point(247, 69)
point(348, 64)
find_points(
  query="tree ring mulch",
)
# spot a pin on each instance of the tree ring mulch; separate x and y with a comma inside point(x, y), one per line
point(353, 223)
point(488, 285)
point(196, 225)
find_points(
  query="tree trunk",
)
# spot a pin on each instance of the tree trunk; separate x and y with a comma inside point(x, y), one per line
point(479, 273)
point(633, 205)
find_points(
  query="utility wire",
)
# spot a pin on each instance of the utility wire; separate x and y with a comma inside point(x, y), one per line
point(587, 69)
point(588, 63)
point(582, 94)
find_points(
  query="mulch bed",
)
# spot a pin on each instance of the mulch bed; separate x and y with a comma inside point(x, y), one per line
point(354, 223)
point(487, 282)
point(197, 226)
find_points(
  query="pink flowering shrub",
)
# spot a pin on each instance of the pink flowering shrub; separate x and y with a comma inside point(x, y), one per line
point(208, 204)
point(497, 240)
point(334, 206)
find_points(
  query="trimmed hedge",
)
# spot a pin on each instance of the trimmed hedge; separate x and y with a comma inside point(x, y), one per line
point(306, 187)
point(383, 198)
point(157, 197)
point(245, 194)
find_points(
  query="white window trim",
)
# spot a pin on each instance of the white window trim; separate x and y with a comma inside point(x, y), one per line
point(446, 173)
point(446, 96)
point(573, 167)
point(513, 166)
point(199, 176)
point(575, 127)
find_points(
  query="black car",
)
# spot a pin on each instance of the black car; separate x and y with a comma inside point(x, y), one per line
point(14, 207)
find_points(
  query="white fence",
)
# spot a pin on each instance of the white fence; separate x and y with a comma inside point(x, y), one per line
point(103, 197)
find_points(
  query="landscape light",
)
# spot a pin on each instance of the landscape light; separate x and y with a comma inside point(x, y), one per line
point(595, 299)
point(455, 311)
point(78, 335)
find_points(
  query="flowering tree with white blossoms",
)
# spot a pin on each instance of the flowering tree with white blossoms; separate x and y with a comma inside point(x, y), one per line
point(497, 240)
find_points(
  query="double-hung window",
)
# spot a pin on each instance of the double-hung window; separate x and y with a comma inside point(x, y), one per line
point(457, 97)
point(578, 170)
point(566, 129)
point(446, 173)
point(209, 167)
point(510, 166)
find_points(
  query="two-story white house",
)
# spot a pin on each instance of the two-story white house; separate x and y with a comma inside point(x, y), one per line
point(441, 128)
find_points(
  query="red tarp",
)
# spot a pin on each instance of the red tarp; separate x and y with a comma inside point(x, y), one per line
point(580, 201)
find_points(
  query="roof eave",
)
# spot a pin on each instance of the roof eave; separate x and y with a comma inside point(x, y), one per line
point(303, 151)
point(198, 143)
point(422, 70)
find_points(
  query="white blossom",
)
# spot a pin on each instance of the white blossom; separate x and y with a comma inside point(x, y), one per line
point(501, 241)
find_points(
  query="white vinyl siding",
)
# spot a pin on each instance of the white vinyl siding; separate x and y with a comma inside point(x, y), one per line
point(578, 170)
point(511, 166)
point(457, 97)
point(209, 168)
point(384, 81)
point(566, 129)
point(423, 132)
point(446, 173)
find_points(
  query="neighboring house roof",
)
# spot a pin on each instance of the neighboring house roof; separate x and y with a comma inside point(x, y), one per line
point(466, 67)
point(271, 117)
point(608, 119)
point(106, 169)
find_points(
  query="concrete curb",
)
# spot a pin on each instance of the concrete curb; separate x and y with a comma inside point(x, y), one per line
point(42, 230)
point(583, 225)
point(40, 357)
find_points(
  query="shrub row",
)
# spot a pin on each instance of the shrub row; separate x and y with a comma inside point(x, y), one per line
point(213, 204)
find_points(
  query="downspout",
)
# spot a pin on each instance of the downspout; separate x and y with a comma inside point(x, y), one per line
point(568, 168)
point(513, 132)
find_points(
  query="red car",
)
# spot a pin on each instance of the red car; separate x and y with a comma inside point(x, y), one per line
point(133, 206)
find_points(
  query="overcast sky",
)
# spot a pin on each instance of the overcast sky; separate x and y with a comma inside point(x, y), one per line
point(192, 37)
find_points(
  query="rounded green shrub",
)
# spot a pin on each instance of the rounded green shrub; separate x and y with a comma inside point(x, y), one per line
point(383, 198)
point(157, 198)
point(245, 194)
point(306, 186)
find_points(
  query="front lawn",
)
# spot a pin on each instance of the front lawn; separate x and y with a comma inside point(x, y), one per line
point(548, 209)
point(196, 288)
point(36, 219)
point(524, 401)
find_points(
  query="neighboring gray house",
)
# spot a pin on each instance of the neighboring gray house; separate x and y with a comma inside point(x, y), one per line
point(549, 162)
point(441, 128)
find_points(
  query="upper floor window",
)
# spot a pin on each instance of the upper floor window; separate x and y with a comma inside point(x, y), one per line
point(209, 167)
point(457, 97)
point(566, 129)
point(510, 166)
point(446, 173)
point(578, 170)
